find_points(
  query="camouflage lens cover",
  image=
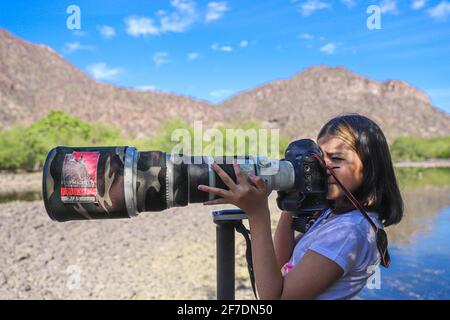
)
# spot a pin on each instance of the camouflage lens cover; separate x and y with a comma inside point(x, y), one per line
point(109, 200)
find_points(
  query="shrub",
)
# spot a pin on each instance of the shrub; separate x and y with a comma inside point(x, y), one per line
point(26, 147)
point(411, 148)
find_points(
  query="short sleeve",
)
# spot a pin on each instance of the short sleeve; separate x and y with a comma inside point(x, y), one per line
point(342, 243)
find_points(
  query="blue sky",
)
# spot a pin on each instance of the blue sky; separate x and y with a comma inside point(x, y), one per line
point(213, 49)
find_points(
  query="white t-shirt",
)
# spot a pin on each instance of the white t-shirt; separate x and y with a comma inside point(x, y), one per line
point(347, 239)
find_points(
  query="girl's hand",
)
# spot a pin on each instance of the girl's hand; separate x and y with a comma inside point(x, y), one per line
point(251, 196)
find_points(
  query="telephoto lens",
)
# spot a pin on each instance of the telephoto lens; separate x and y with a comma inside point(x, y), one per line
point(81, 183)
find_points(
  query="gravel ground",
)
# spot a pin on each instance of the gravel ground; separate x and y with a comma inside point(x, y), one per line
point(163, 255)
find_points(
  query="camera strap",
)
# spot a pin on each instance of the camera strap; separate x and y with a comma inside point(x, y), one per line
point(248, 254)
point(381, 236)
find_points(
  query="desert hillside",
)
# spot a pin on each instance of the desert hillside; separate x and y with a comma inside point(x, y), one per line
point(301, 104)
point(34, 79)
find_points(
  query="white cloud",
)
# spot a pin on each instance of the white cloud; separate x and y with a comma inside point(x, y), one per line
point(160, 58)
point(243, 44)
point(349, 3)
point(441, 11)
point(305, 36)
point(107, 32)
point(329, 48)
point(193, 56)
point(71, 47)
point(141, 26)
point(311, 6)
point(389, 6)
point(181, 19)
point(183, 15)
point(217, 47)
point(101, 71)
point(418, 4)
point(220, 93)
point(216, 10)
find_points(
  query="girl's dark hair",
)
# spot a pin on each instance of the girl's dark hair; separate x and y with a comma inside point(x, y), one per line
point(379, 191)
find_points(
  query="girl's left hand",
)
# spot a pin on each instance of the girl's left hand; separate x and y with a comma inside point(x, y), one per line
point(250, 197)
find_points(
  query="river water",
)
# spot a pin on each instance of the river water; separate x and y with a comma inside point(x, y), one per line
point(420, 269)
point(420, 244)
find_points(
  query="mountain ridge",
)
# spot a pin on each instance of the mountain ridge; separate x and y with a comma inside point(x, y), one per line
point(398, 107)
point(35, 79)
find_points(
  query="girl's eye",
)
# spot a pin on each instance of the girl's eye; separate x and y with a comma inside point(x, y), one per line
point(337, 159)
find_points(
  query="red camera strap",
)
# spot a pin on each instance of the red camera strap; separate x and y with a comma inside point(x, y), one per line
point(356, 204)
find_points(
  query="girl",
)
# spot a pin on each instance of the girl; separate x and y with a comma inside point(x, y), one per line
point(336, 256)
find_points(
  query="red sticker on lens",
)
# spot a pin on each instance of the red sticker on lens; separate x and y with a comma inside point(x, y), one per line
point(79, 177)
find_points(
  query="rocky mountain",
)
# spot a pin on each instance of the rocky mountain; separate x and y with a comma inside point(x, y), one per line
point(302, 104)
point(34, 79)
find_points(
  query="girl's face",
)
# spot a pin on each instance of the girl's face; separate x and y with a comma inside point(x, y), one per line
point(339, 154)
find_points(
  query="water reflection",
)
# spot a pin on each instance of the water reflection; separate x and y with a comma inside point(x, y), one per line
point(420, 269)
point(419, 245)
point(422, 205)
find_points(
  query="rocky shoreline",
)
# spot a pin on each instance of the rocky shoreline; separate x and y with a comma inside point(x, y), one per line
point(11, 182)
point(162, 255)
point(432, 163)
